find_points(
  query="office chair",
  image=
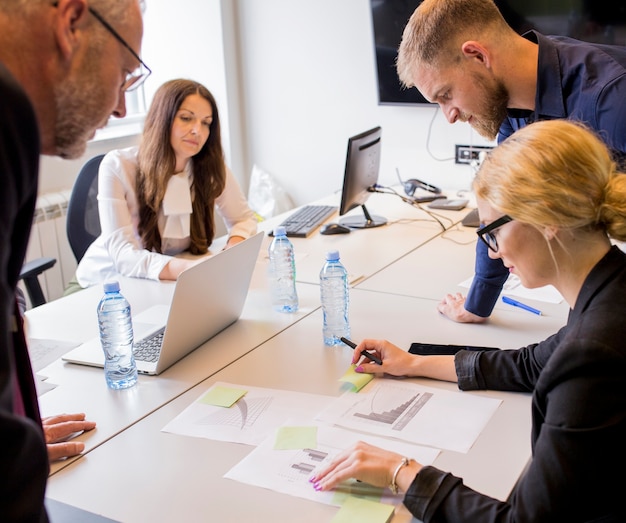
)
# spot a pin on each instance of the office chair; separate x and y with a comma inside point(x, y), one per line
point(29, 275)
point(83, 221)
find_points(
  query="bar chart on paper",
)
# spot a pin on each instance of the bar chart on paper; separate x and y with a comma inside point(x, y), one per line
point(407, 411)
point(396, 417)
point(288, 471)
point(304, 462)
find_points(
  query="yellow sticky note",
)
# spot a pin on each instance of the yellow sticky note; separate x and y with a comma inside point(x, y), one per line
point(290, 438)
point(358, 380)
point(222, 396)
point(363, 511)
point(352, 488)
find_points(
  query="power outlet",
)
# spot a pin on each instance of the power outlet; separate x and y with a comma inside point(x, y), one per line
point(469, 153)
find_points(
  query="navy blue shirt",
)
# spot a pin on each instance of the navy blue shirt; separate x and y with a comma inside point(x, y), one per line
point(575, 80)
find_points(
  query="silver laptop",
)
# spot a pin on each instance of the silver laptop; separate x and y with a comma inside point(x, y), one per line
point(208, 297)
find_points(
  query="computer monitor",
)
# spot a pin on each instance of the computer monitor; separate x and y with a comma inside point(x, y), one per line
point(362, 166)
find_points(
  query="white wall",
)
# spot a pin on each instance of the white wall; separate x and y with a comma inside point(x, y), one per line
point(293, 79)
point(308, 75)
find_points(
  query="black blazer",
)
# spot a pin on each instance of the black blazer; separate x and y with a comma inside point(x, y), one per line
point(23, 455)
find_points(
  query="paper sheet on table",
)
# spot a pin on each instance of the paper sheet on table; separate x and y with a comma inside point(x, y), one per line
point(514, 287)
point(288, 471)
point(250, 419)
point(42, 385)
point(411, 412)
point(43, 352)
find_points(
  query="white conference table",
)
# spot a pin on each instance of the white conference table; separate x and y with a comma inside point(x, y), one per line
point(82, 389)
point(269, 349)
point(439, 266)
point(73, 319)
point(367, 251)
point(181, 477)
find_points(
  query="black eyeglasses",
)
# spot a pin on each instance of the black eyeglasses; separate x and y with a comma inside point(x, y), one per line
point(135, 78)
point(487, 235)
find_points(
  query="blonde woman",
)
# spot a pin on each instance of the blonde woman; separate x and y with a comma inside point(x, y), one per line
point(551, 199)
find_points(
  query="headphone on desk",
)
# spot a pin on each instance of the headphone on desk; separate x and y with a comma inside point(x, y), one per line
point(412, 184)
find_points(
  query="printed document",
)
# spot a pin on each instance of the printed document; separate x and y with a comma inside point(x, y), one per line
point(410, 412)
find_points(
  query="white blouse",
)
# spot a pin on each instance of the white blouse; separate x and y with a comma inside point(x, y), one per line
point(118, 249)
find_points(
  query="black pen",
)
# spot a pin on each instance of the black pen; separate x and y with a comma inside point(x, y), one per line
point(369, 356)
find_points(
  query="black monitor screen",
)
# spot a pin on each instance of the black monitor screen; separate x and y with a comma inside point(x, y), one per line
point(362, 166)
point(601, 21)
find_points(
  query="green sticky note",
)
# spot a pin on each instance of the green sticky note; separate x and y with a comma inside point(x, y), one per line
point(363, 511)
point(358, 380)
point(352, 488)
point(290, 438)
point(222, 396)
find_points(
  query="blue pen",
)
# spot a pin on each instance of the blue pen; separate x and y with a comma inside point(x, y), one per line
point(521, 305)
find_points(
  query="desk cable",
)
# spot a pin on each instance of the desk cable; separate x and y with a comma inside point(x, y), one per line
point(381, 189)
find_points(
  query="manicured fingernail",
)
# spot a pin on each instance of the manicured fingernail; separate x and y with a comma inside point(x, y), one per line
point(317, 486)
point(312, 479)
point(358, 369)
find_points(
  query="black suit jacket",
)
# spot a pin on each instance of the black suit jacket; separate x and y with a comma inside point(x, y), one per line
point(23, 457)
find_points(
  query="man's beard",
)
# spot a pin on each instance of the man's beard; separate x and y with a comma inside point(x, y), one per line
point(492, 112)
point(79, 111)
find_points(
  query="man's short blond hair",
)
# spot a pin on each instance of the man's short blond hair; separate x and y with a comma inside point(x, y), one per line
point(435, 31)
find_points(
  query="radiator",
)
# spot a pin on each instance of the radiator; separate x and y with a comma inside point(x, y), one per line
point(48, 238)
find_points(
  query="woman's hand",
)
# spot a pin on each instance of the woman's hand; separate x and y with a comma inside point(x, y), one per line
point(396, 361)
point(233, 240)
point(59, 428)
point(366, 463)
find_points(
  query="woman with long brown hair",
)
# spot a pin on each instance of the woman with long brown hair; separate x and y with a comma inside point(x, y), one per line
point(158, 199)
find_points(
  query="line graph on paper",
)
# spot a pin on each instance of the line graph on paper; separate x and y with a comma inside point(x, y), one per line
point(251, 419)
point(243, 415)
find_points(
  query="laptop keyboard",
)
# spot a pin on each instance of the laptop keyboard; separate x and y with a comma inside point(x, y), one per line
point(306, 219)
point(149, 348)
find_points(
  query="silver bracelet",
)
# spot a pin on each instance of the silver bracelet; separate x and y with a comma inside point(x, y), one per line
point(394, 486)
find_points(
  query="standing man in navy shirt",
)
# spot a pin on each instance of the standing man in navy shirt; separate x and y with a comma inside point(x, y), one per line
point(463, 55)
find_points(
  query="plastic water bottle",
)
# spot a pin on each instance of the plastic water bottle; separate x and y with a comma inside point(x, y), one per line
point(282, 273)
point(335, 299)
point(116, 337)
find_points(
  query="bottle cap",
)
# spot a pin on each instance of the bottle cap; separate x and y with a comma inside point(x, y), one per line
point(332, 256)
point(280, 231)
point(111, 286)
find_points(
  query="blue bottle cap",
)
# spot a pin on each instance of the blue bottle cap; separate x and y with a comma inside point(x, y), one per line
point(332, 255)
point(280, 231)
point(111, 286)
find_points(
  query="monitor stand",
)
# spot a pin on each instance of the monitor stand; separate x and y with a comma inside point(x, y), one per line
point(366, 221)
point(471, 219)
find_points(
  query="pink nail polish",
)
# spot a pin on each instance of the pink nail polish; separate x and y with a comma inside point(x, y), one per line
point(358, 369)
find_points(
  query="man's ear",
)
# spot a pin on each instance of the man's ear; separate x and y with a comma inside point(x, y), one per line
point(70, 18)
point(477, 52)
